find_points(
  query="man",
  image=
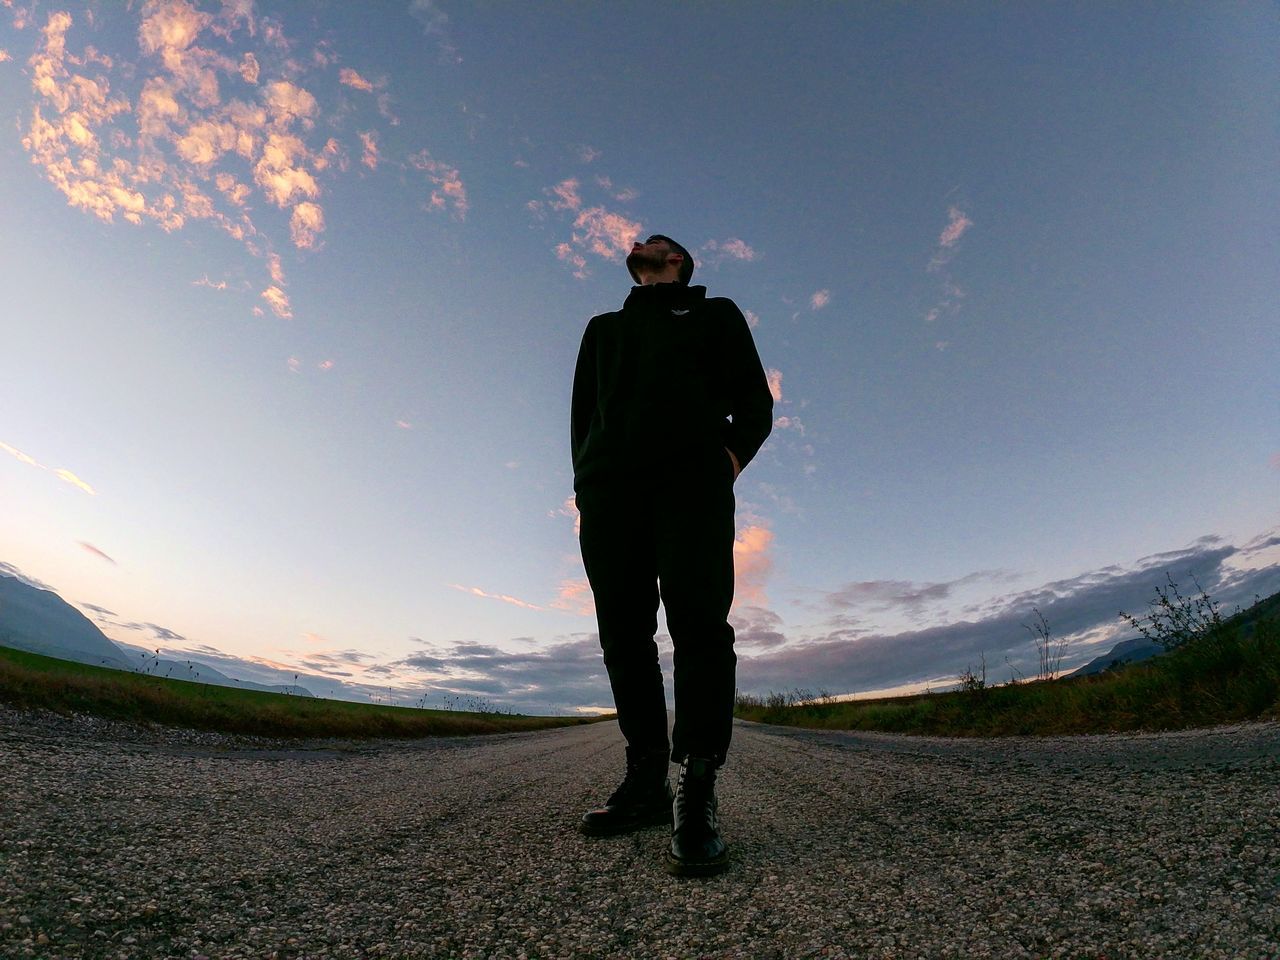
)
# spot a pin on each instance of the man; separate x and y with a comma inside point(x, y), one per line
point(670, 403)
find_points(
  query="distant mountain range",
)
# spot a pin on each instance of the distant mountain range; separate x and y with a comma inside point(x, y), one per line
point(1140, 648)
point(40, 621)
point(1125, 652)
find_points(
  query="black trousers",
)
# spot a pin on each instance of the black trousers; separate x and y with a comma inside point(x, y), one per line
point(665, 534)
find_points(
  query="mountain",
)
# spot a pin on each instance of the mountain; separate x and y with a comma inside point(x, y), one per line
point(40, 621)
point(1127, 651)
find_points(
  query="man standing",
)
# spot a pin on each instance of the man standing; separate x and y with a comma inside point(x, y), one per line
point(670, 403)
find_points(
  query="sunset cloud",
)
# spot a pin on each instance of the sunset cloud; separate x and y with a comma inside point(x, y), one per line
point(449, 193)
point(514, 601)
point(958, 224)
point(369, 139)
point(606, 234)
point(819, 299)
point(306, 224)
point(955, 228)
point(566, 194)
point(90, 548)
point(350, 78)
point(775, 384)
point(278, 301)
point(68, 477)
point(752, 563)
point(19, 455)
point(575, 596)
point(204, 118)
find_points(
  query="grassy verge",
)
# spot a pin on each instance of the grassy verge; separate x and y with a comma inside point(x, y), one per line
point(28, 679)
point(1225, 675)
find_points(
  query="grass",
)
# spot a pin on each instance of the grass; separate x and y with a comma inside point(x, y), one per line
point(1217, 671)
point(31, 680)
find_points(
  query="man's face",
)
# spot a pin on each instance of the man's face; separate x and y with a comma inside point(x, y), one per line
point(649, 255)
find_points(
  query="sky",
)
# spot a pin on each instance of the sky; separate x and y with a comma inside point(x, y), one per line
point(294, 293)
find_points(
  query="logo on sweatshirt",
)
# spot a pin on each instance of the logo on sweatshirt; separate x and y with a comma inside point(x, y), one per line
point(679, 313)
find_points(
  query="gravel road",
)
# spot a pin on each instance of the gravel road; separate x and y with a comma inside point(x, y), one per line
point(120, 842)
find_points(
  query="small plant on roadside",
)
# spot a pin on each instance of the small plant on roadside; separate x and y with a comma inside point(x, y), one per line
point(971, 682)
point(1173, 620)
point(1049, 650)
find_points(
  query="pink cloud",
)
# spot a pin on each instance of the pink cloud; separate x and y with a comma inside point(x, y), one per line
point(278, 300)
point(249, 69)
point(753, 319)
point(306, 224)
point(575, 596)
point(752, 563)
point(1275, 461)
point(955, 229)
point(404, 424)
point(326, 365)
point(4, 55)
point(819, 299)
point(295, 365)
point(90, 548)
point(206, 282)
point(775, 384)
point(608, 235)
point(370, 141)
point(566, 193)
point(352, 79)
point(449, 190)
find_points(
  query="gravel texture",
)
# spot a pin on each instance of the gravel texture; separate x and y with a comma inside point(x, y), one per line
point(117, 841)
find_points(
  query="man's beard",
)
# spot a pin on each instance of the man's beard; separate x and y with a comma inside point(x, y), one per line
point(649, 262)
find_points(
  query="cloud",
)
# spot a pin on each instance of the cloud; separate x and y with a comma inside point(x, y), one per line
point(575, 596)
point(350, 78)
point(449, 192)
point(278, 301)
point(958, 223)
point(955, 228)
point(715, 252)
point(775, 383)
point(819, 299)
point(752, 564)
point(514, 601)
point(594, 230)
point(61, 473)
point(1084, 609)
point(902, 596)
point(207, 114)
point(588, 154)
point(566, 195)
point(404, 424)
point(20, 456)
point(306, 224)
point(369, 139)
point(756, 627)
point(68, 477)
point(9, 570)
point(435, 23)
point(5, 55)
point(89, 547)
point(206, 282)
point(753, 319)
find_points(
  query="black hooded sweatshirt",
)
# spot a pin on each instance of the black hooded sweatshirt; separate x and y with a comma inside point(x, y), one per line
point(668, 381)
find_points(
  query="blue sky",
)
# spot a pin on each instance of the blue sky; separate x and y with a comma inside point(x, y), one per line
point(294, 294)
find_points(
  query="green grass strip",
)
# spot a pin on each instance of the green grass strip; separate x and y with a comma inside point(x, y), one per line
point(32, 680)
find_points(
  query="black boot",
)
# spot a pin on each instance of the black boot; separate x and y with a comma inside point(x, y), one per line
point(697, 850)
point(642, 800)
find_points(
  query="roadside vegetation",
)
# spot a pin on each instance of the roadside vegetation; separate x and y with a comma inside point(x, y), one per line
point(31, 680)
point(1214, 671)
